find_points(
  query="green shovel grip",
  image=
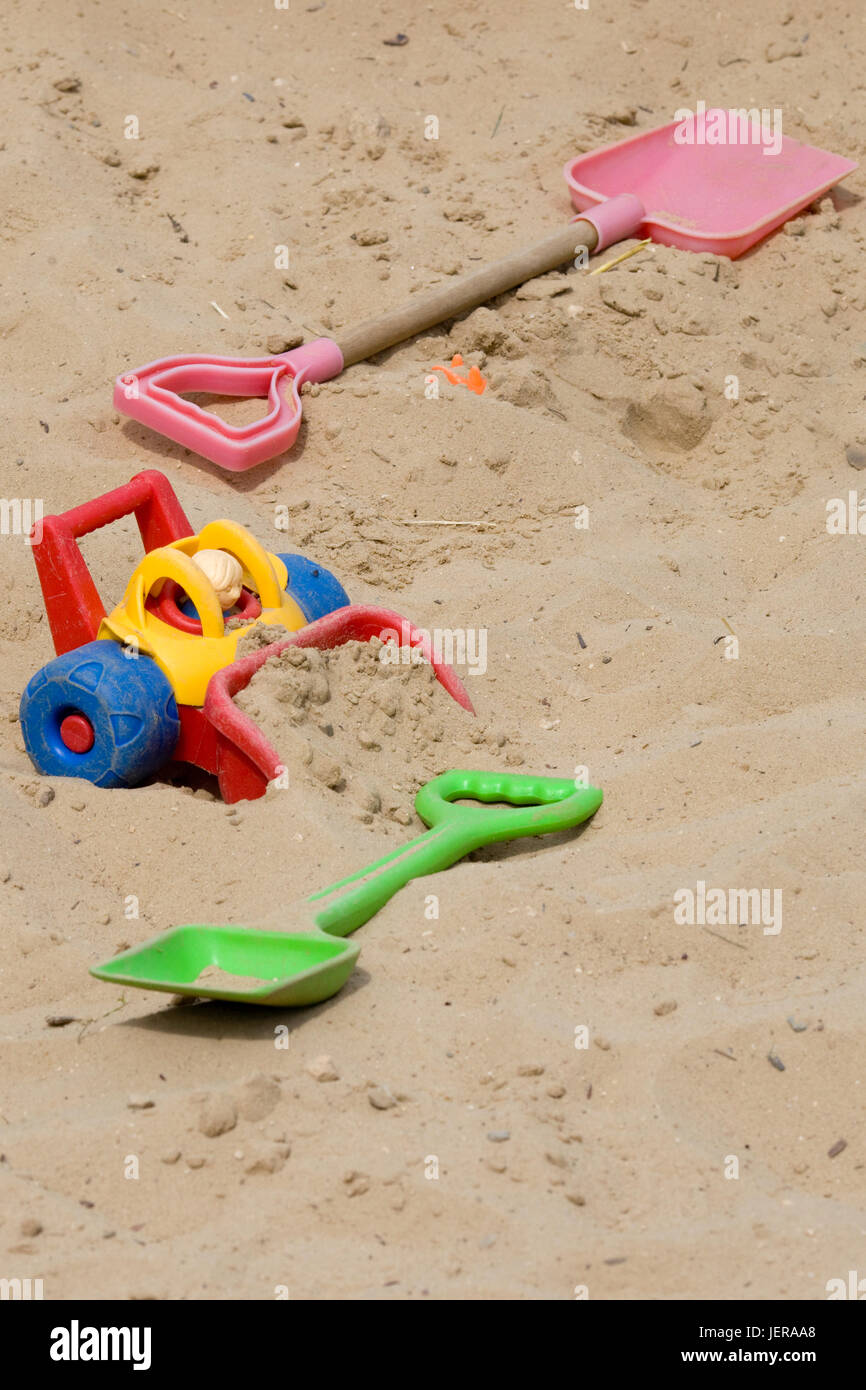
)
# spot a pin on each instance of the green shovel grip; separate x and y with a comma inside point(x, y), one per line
point(537, 806)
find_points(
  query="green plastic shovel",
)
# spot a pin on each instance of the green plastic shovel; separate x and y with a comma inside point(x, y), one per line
point(266, 965)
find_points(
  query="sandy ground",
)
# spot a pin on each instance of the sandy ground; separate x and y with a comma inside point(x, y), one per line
point(470, 1147)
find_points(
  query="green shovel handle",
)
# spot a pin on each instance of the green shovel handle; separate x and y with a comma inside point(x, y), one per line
point(537, 806)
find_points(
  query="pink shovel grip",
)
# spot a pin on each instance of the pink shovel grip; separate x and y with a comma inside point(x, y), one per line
point(615, 220)
point(151, 395)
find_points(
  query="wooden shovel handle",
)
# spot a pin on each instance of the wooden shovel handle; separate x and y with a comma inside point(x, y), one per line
point(449, 300)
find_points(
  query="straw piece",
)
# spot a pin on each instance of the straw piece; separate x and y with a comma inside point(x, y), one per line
point(410, 521)
point(624, 257)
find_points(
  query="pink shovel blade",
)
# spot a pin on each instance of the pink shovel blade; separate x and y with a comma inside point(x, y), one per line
point(153, 395)
point(701, 195)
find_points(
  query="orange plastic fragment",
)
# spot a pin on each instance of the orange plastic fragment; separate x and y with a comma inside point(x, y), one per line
point(474, 381)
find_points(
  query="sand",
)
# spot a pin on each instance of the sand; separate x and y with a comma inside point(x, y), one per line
point(642, 540)
point(368, 722)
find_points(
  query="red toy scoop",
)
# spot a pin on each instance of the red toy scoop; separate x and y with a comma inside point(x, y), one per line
point(243, 759)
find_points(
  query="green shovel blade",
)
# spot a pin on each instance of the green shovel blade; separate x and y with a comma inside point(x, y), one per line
point(243, 964)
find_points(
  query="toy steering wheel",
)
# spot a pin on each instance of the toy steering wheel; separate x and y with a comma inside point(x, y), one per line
point(166, 605)
point(172, 572)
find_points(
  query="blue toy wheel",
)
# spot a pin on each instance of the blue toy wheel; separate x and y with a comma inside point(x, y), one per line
point(315, 590)
point(99, 714)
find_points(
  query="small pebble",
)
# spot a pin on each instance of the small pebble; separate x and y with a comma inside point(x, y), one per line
point(31, 1227)
point(666, 1008)
point(498, 1136)
point(137, 1102)
point(323, 1069)
point(381, 1099)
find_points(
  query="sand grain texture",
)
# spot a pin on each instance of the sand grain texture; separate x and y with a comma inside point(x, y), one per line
point(558, 1166)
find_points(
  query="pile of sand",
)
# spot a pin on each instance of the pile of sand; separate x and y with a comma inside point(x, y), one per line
point(365, 721)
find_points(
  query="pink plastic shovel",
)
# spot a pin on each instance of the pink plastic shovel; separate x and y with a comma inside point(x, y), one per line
point(679, 184)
